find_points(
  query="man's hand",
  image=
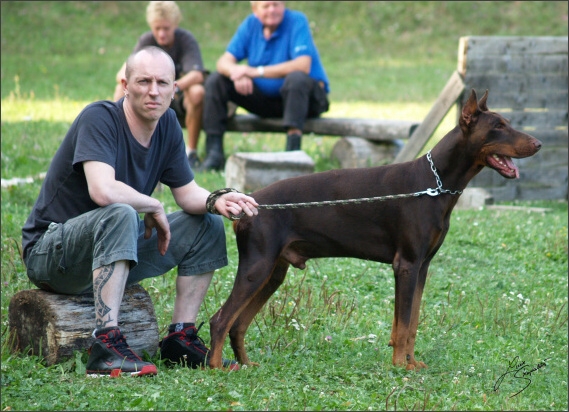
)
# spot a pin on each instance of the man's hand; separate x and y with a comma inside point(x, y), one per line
point(244, 86)
point(159, 221)
point(238, 71)
point(235, 203)
point(242, 77)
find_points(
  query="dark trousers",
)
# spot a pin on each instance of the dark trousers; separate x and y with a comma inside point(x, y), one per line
point(300, 97)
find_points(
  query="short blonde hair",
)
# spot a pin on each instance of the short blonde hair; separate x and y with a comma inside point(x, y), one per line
point(163, 10)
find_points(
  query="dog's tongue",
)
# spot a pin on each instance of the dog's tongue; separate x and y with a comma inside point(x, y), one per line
point(511, 165)
point(504, 165)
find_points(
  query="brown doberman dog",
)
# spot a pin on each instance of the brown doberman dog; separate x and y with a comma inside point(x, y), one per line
point(405, 228)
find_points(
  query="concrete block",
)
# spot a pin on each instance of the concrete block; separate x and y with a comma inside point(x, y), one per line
point(473, 198)
point(248, 172)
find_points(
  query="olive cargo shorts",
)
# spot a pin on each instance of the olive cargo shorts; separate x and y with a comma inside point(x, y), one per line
point(64, 258)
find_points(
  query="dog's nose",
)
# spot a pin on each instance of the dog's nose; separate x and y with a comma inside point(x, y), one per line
point(537, 144)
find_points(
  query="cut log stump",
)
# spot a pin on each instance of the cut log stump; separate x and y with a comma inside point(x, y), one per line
point(53, 326)
point(354, 152)
point(248, 172)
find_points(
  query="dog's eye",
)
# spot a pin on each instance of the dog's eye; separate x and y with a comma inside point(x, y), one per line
point(500, 125)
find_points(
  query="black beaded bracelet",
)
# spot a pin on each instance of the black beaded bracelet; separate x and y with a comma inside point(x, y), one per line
point(212, 198)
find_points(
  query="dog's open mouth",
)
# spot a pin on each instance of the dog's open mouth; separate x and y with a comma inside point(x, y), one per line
point(503, 165)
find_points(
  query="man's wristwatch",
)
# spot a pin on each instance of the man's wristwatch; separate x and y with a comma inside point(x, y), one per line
point(261, 70)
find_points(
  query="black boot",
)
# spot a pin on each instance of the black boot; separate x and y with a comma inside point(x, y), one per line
point(215, 160)
point(193, 159)
point(293, 141)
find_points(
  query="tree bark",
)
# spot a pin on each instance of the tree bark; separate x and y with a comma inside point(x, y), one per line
point(53, 326)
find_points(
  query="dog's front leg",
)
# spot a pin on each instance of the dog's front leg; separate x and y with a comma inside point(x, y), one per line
point(409, 285)
point(253, 274)
point(241, 324)
point(222, 321)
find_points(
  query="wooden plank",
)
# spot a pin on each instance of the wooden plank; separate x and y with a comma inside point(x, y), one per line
point(550, 137)
point(515, 82)
point(548, 64)
point(527, 45)
point(540, 193)
point(252, 123)
point(482, 46)
point(535, 99)
point(548, 119)
point(372, 129)
point(448, 97)
point(548, 174)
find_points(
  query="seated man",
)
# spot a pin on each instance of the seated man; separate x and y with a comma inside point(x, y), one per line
point(283, 77)
point(84, 232)
point(163, 17)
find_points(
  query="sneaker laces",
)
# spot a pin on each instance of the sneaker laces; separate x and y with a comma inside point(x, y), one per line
point(118, 342)
point(195, 339)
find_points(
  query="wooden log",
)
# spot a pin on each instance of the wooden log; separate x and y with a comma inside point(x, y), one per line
point(354, 152)
point(53, 326)
point(372, 129)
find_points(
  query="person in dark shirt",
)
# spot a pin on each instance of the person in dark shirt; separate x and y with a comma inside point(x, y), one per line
point(284, 77)
point(164, 17)
point(84, 232)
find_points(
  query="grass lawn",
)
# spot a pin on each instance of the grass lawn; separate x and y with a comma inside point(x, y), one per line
point(496, 295)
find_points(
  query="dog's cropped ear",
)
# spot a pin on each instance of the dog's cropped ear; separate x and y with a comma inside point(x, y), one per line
point(470, 109)
point(482, 102)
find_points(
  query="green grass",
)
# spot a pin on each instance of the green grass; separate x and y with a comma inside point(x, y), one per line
point(497, 289)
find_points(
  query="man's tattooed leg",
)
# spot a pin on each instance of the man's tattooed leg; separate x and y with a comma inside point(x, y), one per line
point(102, 310)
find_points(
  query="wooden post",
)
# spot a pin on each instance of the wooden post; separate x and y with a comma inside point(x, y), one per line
point(423, 133)
point(53, 326)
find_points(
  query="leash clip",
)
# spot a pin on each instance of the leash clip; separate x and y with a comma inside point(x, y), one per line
point(430, 192)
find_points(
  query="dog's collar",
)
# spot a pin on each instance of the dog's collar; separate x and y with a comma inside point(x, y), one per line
point(439, 189)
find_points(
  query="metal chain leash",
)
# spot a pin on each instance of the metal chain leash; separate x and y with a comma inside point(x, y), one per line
point(431, 192)
point(439, 183)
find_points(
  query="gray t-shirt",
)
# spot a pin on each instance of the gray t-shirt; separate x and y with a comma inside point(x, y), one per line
point(185, 52)
point(101, 133)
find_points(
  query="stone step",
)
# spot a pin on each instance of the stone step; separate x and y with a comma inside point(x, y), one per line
point(248, 172)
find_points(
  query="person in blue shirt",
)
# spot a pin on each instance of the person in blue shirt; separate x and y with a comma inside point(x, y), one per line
point(283, 77)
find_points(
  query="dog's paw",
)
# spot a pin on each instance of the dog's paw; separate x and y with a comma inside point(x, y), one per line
point(416, 366)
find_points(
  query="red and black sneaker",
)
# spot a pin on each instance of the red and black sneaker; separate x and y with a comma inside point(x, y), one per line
point(186, 348)
point(111, 356)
